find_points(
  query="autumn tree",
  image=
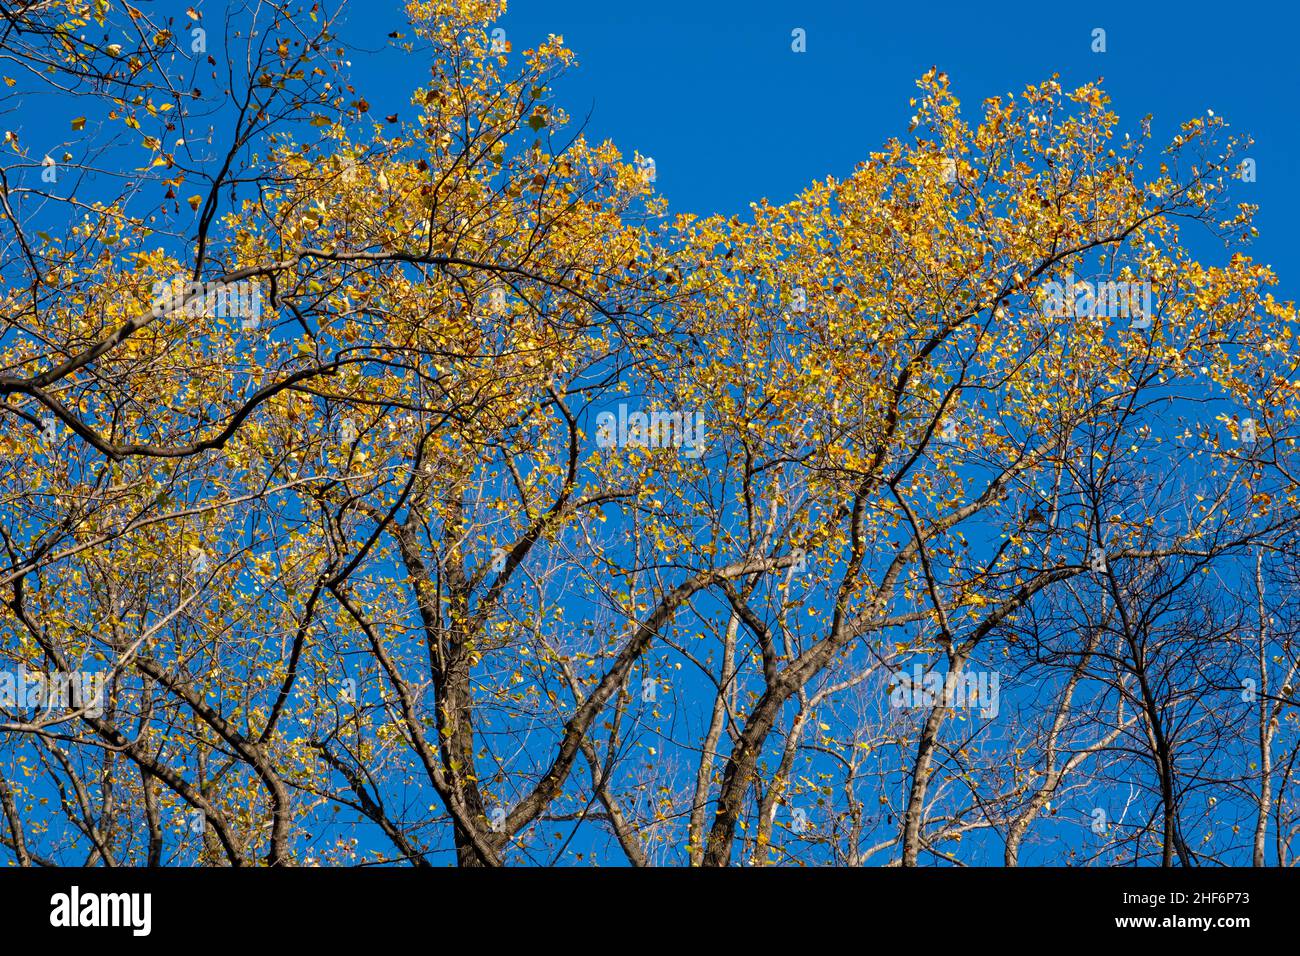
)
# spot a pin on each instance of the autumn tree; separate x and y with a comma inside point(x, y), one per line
point(422, 490)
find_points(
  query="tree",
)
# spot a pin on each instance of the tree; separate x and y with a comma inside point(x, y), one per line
point(419, 490)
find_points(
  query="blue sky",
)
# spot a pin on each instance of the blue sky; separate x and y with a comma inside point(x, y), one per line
point(731, 115)
point(714, 93)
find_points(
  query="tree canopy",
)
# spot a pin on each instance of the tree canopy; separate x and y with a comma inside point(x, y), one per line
point(421, 488)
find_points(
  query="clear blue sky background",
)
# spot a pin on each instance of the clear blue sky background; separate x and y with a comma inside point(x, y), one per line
point(713, 92)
